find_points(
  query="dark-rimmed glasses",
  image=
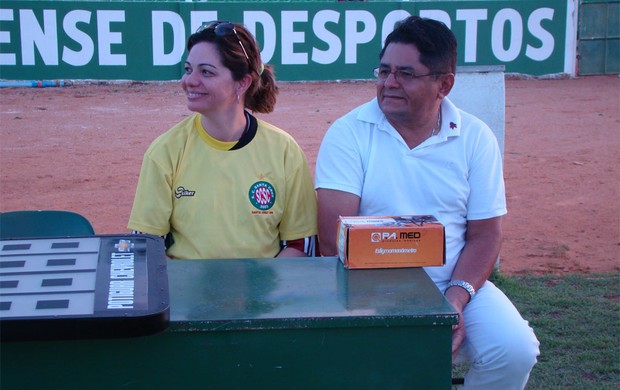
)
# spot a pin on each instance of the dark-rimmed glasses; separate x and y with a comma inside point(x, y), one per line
point(402, 76)
point(222, 29)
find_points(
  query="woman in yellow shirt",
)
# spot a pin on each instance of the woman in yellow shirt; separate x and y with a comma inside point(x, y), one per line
point(223, 183)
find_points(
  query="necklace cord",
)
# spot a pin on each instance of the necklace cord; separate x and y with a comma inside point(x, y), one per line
point(438, 125)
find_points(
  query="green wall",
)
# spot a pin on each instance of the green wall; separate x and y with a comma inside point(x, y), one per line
point(303, 40)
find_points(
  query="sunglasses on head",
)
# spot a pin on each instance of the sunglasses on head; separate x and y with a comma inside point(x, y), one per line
point(222, 29)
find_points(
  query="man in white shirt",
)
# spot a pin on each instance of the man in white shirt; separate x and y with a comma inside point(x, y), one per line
point(411, 151)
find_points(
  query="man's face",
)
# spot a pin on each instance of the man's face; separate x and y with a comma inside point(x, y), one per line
point(399, 95)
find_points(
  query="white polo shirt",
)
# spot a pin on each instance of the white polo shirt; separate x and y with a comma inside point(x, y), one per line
point(455, 175)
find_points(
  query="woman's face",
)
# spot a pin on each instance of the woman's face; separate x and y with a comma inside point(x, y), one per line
point(207, 83)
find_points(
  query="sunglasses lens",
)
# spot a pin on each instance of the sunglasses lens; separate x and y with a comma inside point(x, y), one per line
point(224, 29)
point(206, 26)
point(219, 28)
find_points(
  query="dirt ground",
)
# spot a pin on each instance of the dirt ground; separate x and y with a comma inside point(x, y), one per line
point(80, 148)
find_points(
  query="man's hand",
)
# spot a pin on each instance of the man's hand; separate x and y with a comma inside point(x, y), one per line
point(458, 297)
point(458, 335)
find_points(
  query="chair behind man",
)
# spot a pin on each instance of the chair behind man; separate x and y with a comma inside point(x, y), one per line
point(43, 223)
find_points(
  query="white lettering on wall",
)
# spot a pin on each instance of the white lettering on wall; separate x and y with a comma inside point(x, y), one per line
point(534, 26)
point(334, 46)
point(107, 37)
point(44, 39)
point(252, 19)
point(5, 37)
point(471, 18)
point(49, 37)
point(290, 37)
point(161, 19)
point(87, 47)
point(512, 18)
point(353, 36)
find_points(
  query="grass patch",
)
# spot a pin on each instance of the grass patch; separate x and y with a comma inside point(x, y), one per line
point(577, 321)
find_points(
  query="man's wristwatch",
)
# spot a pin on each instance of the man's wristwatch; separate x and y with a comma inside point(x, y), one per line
point(464, 285)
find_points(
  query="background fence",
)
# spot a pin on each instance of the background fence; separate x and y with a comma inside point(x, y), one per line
point(599, 37)
point(304, 40)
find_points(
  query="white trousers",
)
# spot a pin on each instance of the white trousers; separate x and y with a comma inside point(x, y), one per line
point(499, 344)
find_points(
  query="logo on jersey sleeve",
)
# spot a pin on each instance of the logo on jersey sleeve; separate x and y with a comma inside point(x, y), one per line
point(262, 195)
point(181, 191)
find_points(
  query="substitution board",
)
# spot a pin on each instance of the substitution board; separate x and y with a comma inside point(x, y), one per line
point(83, 287)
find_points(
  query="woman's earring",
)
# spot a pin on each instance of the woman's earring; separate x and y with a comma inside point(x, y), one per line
point(237, 97)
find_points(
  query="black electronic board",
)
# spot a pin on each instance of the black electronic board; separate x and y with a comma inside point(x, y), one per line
point(103, 286)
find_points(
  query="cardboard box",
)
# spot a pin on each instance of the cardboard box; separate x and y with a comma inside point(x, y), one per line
point(391, 241)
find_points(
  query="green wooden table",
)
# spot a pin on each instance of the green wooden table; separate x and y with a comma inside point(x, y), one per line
point(263, 324)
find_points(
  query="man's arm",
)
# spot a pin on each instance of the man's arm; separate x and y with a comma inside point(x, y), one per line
point(478, 257)
point(332, 204)
point(474, 266)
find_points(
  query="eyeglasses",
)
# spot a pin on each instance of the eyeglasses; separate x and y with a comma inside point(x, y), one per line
point(402, 76)
point(222, 29)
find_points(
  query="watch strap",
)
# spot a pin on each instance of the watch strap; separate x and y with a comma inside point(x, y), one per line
point(464, 285)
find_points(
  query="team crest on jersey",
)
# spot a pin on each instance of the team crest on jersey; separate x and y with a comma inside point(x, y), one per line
point(262, 195)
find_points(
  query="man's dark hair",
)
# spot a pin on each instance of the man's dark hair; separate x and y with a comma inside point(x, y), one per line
point(434, 40)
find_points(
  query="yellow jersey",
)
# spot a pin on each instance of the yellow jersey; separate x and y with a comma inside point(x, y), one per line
point(218, 203)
